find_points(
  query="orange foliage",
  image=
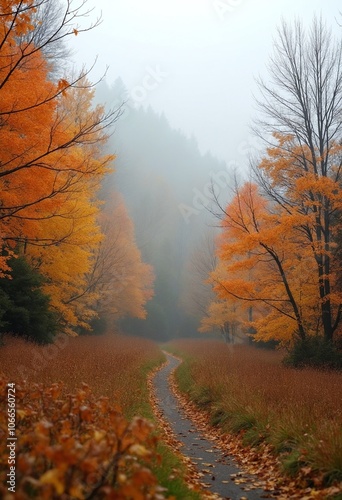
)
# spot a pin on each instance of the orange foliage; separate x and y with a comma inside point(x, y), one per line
point(51, 164)
point(72, 436)
point(264, 264)
point(78, 446)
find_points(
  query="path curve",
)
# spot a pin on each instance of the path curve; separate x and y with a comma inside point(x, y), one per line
point(215, 468)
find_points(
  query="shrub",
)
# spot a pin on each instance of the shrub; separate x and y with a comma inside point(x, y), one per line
point(315, 352)
point(77, 446)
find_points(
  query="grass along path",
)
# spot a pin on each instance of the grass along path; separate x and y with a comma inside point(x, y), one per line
point(213, 470)
point(268, 415)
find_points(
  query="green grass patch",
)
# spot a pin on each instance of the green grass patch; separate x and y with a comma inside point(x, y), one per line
point(170, 474)
point(141, 405)
point(292, 463)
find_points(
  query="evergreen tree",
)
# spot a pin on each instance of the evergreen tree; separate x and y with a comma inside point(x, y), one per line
point(24, 308)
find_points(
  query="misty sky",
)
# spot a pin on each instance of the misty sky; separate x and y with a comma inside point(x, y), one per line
point(196, 60)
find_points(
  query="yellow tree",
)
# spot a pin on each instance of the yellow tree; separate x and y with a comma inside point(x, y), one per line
point(222, 316)
point(219, 315)
point(122, 282)
point(65, 228)
point(65, 264)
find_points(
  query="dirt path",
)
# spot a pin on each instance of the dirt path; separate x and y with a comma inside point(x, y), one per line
point(216, 470)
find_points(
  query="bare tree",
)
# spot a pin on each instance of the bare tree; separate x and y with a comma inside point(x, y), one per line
point(50, 18)
point(301, 116)
point(202, 263)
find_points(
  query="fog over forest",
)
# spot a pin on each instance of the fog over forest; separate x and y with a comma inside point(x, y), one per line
point(167, 177)
point(171, 249)
point(175, 111)
point(156, 167)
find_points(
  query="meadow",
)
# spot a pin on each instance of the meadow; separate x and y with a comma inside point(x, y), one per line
point(248, 391)
point(245, 391)
point(105, 380)
point(114, 366)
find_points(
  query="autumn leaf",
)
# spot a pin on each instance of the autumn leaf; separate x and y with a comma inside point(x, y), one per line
point(76, 491)
point(62, 86)
point(139, 450)
point(53, 477)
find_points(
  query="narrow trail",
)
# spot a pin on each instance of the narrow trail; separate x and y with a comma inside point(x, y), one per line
point(214, 467)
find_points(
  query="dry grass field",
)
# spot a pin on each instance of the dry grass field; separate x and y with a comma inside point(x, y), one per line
point(114, 366)
point(73, 440)
point(248, 390)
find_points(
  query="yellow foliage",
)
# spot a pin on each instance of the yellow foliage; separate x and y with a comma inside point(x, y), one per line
point(123, 281)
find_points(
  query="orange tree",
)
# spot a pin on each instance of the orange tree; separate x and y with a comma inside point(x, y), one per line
point(301, 109)
point(117, 277)
point(264, 262)
point(285, 231)
point(52, 165)
point(50, 141)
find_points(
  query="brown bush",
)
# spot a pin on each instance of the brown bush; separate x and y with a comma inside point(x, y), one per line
point(76, 446)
